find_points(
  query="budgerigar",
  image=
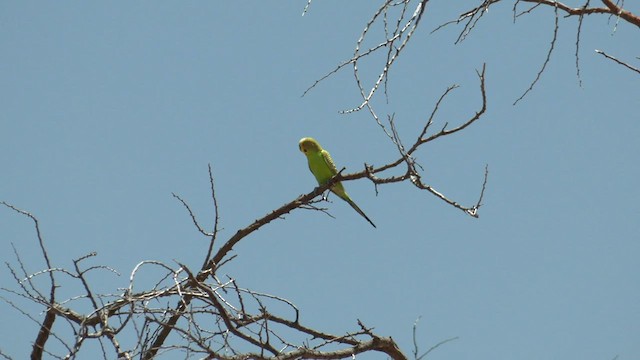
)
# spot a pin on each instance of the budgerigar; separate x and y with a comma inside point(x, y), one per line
point(323, 168)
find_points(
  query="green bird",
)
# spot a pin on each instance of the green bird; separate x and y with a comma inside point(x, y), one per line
point(323, 168)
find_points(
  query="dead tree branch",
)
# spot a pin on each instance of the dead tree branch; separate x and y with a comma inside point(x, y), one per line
point(220, 319)
point(471, 17)
point(618, 61)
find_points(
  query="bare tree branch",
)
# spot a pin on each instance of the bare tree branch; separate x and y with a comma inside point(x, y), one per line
point(222, 320)
point(415, 343)
point(618, 61)
point(546, 60)
point(47, 323)
point(471, 17)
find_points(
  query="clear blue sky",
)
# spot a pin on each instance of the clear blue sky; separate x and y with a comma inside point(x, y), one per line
point(106, 109)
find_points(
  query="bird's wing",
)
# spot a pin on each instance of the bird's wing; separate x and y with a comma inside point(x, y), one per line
point(329, 162)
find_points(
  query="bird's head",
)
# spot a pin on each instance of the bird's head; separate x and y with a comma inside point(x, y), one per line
point(308, 145)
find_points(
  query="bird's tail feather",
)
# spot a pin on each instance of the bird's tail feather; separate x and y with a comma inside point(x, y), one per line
point(356, 208)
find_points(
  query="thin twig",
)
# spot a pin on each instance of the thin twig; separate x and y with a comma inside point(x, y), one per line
point(618, 61)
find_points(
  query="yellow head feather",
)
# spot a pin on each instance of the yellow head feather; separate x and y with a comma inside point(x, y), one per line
point(309, 144)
